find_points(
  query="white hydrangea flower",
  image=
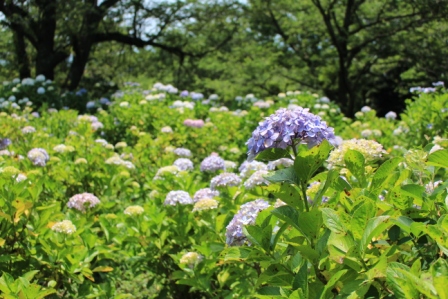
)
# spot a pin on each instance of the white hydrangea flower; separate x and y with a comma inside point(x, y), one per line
point(134, 210)
point(64, 227)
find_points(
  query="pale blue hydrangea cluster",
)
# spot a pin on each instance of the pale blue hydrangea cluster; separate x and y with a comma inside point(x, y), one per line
point(226, 179)
point(213, 163)
point(248, 168)
point(285, 162)
point(83, 201)
point(184, 164)
point(256, 179)
point(178, 197)
point(205, 193)
point(284, 127)
point(38, 156)
point(182, 152)
point(246, 216)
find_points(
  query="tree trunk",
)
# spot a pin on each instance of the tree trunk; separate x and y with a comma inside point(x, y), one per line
point(21, 55)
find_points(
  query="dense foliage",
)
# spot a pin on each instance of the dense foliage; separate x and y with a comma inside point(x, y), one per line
point(152, 197)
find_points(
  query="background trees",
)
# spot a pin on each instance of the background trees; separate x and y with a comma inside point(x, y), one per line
point(356, 52)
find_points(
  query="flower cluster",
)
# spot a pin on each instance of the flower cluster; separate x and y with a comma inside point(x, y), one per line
point(116, 160)
point(205, 204)
point(4, 142)
point(213, 163)
point(166, 129)
point(94, 122)
point(183, 164)
point(65, 227)
point(191, 259)
point(205, 193)
point(246, 216)
point(28, 130)
point(38, 156)
point(133, 210)
point(161, 172)
point(182, 104)
point(182, 152)
point(370, 149)
point(178, 197)
point(226, 179)
point(256, 179)
point(82, 201)
point(194, 123)
point(281, 129)
point(285, 162)
point(248, 168)
point(391, 115)
point(62, 148)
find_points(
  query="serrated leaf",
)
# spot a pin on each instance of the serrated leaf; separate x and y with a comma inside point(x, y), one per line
point(383, 172)
point(374, 228)
point(438, 158)
point(286, 175)
point(307, 162)
point(333, 221)
point(301, 280)
point(272, 154)
point(359, 219)
point(355, 162)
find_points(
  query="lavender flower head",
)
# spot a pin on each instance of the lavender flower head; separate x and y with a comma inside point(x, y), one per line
point(282, 128)
point(213, 163)
point(38, 156)
point(182, 152)
point(205, 193)
point(178, 197)
point(82, 201)
point(226, 179)
point(4, 142)
point(248, 168)
point(246, 216)
point(256, 179)
point(184, 164)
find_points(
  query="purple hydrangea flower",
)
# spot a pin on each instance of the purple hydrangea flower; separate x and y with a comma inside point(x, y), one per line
point(182, 152)
point(184, 93)
point(183, 164)
point(38, 156)
point(205, 193)
point(4, 143)
point(281, 129)
point(246, 216)
point(226, 179)
point(213, 163)
point(178, 197)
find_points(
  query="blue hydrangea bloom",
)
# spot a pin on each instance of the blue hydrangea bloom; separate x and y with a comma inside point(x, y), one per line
point(288, 128)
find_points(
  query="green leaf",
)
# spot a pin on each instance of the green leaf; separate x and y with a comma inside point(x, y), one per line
point(301, 280)
point(286, 175)
point(383, 172)
point(333, 221)
point(375, 227)
point(307, 162)
point(310, 223)
point(288, 215)
point(355, 162)
point(400, 285)
point(335, 278)
point(331, 177)
point(287, 193)
point(359, 219)
point(438, 158)
point(341, 184)
point(272, 154)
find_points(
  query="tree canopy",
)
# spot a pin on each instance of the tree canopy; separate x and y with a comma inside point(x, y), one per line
point(356, 52)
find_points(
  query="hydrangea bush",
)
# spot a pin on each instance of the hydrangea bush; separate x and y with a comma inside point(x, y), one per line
point(115, 205)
